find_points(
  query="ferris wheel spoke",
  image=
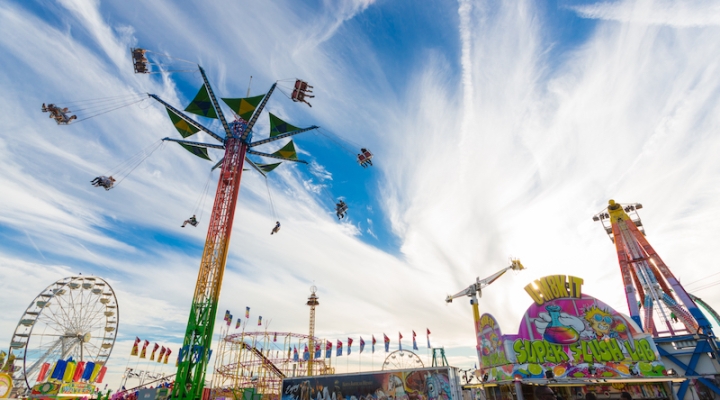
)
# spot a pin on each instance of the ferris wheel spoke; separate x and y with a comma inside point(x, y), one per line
point(74, 307)
point(52, 320)
point(92, 321)
point(70, 349)
point(94, 354)
point(64, 319)
point(31, 370)
point(93, 314)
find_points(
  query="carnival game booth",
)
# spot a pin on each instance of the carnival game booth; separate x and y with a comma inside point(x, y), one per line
point(68, 379)
point(574, 343)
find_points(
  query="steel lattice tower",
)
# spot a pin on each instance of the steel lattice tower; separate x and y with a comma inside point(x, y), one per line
point(312, 302)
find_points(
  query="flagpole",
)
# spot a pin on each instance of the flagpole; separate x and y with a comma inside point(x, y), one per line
point(128, 362)
point(137, 365)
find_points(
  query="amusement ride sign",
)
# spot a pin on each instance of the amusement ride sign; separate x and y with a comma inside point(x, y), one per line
point(567, 334)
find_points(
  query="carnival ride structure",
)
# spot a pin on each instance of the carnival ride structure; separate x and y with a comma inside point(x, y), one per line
point(402, 359)
point(253, 355)
point(236, 142)
point(75, 317)
point(474, 291)
point(313, 301)
point(649, 283)
point(261, 360)
point(669, 312)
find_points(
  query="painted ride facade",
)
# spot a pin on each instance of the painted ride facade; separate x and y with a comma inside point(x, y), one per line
point(574, 343)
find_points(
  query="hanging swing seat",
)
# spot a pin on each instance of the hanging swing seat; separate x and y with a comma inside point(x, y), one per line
point(140, 62)
point(364, 158)
point(301, 92)
point(61, 115)
point(106, 182)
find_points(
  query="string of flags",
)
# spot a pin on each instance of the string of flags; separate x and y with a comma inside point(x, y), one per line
point(162, 356)
point(317, 351)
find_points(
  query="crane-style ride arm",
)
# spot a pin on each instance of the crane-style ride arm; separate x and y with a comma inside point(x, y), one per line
point(477, 287)
point(474, 291)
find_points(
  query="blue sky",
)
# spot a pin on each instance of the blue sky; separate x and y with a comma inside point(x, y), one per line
point(499, 129)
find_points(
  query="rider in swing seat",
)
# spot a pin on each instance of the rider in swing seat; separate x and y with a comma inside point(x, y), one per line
point(192, 221)
point(341, 209)
point(106, 182)
point(276, 229)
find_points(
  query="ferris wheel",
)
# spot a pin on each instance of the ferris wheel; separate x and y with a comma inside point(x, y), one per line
point(402, 359)
point(74, 317)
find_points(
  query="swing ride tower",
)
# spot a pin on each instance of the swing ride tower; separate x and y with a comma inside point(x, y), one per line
point(195, 353)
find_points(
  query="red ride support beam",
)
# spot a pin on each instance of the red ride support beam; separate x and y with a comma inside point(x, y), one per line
point(191, 371)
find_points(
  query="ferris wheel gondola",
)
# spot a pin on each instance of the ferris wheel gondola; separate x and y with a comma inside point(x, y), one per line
point(74, 317)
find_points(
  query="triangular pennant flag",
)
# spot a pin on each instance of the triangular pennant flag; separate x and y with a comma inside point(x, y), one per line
point(196, 150)
point(278, 126)
point(201, 104)
point(288, 151)
point(268, 167)
point(181, 125)
point(244, 107)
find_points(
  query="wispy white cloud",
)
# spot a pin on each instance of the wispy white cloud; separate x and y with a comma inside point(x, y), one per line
point(694, 13)
point(319, 171)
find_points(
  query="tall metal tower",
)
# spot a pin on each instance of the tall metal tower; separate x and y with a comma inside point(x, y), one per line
point(195, 353)
point(649, 283)
point(670, 313)
point(312, 302)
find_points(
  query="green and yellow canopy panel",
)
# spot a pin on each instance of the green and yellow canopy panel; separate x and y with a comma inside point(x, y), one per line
point(278, 126)
point(196, 150)
point(288, 151)
point(244, 107)
point(268, 167)
point(201, 104)
point(185, 129)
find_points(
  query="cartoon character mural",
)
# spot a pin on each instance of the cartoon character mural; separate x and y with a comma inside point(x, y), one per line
point(492, 352)
point(573, 335)
point(437, 387)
